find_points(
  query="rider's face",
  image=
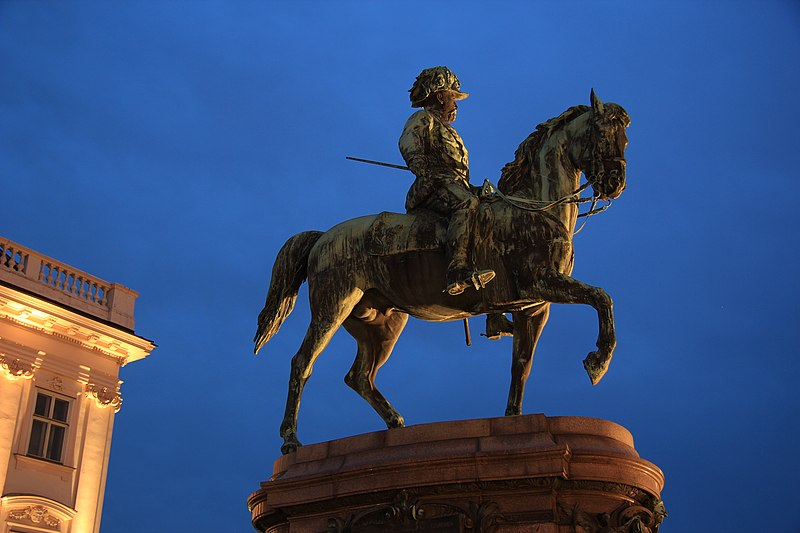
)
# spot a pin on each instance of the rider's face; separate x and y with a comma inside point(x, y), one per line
point(449, 106)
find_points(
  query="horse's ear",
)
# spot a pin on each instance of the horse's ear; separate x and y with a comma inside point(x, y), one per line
point(597, 104)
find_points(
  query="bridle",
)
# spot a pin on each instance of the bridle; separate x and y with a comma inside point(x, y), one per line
point(592, 161)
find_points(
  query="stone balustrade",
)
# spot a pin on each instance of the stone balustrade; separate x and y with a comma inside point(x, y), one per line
point(63, 284)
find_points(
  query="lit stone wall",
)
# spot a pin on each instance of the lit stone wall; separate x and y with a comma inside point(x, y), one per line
point(64, 335)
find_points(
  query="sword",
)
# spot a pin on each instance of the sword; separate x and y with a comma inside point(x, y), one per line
point(379, 163)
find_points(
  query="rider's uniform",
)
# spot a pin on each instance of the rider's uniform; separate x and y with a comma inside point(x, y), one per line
point(435, 153)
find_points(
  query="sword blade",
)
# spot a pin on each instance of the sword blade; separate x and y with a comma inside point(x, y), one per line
point(379, 163)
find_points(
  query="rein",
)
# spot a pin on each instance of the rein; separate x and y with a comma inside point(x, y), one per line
point(540, 206)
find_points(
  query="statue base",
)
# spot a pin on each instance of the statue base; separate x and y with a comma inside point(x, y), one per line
point(509, 474)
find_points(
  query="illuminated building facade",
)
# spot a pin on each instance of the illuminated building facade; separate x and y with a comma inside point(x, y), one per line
point(64, 334)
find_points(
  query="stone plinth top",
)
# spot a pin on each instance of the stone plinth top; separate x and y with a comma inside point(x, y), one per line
point(491, 454)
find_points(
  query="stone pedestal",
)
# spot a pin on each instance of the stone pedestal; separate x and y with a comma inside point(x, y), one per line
point(518, 474)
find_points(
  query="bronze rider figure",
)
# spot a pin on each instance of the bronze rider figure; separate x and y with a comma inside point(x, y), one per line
point(435, 153)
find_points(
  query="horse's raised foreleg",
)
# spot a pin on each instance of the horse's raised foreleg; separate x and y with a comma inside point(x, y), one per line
point(329, 308)
point(559, 288)
point(376, 337)
point(527, 328)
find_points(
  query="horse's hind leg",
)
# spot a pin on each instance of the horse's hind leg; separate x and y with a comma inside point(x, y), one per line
point(527, 329)
point(559, 288)
point(329, 308)
point(376, 335)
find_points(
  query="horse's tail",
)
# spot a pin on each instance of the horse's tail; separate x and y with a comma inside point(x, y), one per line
point(288, 273)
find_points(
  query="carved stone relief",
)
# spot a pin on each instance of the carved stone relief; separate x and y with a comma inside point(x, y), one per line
point(35, 514)
point(15, 369)
point(628, 518)
point(104, 396)
point(55, 384)
point(407, 513)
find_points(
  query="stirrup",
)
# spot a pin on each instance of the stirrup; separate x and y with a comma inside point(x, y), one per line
point(481, 278)
point(497, 325)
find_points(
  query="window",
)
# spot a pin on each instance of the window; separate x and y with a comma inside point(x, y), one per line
point(49, 427)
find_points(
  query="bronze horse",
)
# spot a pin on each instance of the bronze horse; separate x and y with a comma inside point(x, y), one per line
point(525, 235)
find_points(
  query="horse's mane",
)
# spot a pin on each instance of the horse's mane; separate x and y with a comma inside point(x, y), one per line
point(513, 173)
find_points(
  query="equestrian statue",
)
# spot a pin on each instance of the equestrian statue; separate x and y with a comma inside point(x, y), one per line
point(459, 251)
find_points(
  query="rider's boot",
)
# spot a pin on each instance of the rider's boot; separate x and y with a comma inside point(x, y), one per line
point(497, 325)
point(459, 277)
point(459, 274)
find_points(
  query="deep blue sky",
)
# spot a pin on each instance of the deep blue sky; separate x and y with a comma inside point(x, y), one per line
point(174, 147)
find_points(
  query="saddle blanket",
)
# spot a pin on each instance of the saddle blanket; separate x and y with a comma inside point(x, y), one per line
point(395, 233)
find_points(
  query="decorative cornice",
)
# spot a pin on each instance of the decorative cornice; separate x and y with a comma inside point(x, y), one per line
point(90, 344)
point(44, 317)
point(104, 396)
point(36, 514)
point(15, 369)
point(445, 500)
point(407, 509)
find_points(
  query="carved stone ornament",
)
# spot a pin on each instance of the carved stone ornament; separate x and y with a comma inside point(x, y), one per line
point(628, 518)
point(15, 369)
point(104, 396)
point(37, 515)
point(56, 384)
point(407, 513)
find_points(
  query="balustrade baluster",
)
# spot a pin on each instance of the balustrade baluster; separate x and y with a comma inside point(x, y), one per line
point(51, 275)
point(23, 261)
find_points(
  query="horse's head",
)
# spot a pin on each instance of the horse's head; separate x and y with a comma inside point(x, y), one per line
point(603, 162)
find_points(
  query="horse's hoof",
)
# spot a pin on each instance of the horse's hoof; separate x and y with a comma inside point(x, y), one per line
point(596, 366)
point(290, 446)
point(395, 422)
point(513, 411)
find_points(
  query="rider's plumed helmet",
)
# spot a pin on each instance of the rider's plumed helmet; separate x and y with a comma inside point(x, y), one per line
point(433, 80)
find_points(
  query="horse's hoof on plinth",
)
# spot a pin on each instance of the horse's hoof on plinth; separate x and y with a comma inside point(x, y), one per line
point(596, 366)
point(396, 422)
point(290, 446)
